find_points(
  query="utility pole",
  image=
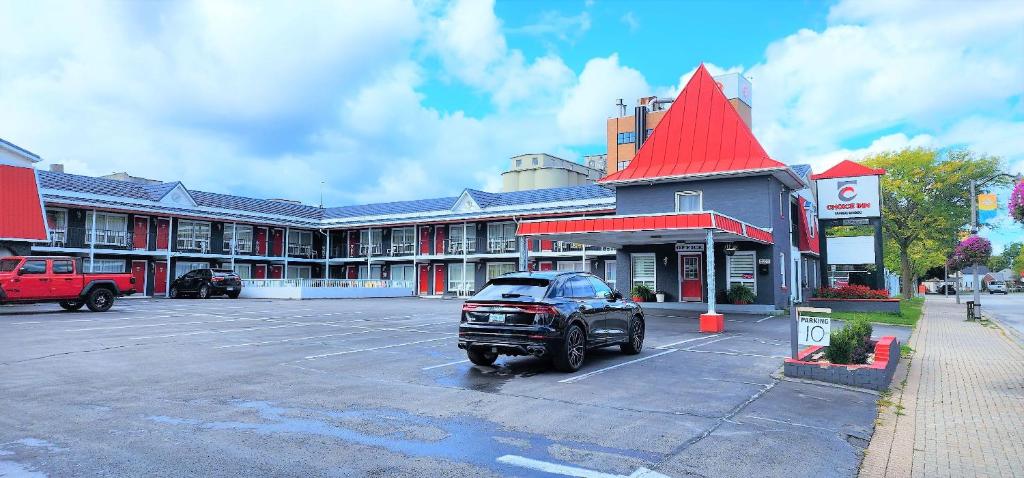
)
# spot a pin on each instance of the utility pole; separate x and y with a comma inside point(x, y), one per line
point(975, 226)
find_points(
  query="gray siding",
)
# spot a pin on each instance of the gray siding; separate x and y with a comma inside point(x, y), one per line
point(740, 198)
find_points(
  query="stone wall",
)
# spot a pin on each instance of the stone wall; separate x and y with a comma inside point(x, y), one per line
point(875, 376)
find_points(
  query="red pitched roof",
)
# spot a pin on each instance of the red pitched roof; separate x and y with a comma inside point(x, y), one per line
point(700, 135)
point(21, 217)
point(848, 169)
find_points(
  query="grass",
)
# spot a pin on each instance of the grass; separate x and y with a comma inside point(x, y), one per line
point(910, 313)
point(906, 351)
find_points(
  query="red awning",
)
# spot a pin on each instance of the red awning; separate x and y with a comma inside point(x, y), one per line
point(614, 231)
point(21, 207)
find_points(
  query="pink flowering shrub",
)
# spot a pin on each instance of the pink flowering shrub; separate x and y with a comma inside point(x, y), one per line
point(1017, 202)
point(972, 250)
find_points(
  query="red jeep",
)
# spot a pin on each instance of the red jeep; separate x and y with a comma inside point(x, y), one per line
point(29, 279)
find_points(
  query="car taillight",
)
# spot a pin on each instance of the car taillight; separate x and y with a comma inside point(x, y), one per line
point(218, 279)
point(470, 307)
point(538, 309)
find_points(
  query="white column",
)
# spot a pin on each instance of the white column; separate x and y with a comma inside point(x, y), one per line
point(92, 243)
point(327, 256)
point(170, 245)
point(415, 260)
point(465, 248)
point(284, 251)
point(234, 240)
point(710, 253)
point(584, 258)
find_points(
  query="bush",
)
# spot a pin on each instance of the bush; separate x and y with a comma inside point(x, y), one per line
point(851, 292)
point(740, 294)
point(851, 344)
point(643, 292)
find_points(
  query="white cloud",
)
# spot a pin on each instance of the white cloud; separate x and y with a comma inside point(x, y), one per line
point(630, 20)
point(568, 28)
point(592, 99)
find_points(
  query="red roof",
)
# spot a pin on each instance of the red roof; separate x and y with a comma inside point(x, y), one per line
point(21, 216)
point(700, 135)
point(848, 169)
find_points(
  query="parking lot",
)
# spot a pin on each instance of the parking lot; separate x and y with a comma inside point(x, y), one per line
point(377, 387)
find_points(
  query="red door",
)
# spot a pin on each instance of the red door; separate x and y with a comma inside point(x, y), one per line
point(141, 234)
point(139, 269)
point(425, 240)
point(352, 272)
point(277, 242)
point(546, 246)
point(546, 266)
point(439, 241)
point(261, 243)
point(163, 230)
point(439, 279)
point(159, 277)
point(259, 271)
point(276, 271)
point(424, 279)
point(690, 278)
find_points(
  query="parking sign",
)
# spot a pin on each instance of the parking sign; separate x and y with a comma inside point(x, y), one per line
point(814, 330)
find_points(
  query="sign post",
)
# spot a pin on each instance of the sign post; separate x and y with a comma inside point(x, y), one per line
point(807, 330)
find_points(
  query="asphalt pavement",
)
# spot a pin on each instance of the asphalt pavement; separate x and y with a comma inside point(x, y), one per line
point(377, 387)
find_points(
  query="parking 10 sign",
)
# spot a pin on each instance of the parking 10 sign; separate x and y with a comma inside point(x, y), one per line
point(814, 330)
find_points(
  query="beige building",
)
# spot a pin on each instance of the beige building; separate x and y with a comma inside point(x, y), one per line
point(542, 171)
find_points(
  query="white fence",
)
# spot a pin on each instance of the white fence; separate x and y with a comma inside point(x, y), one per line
point(324, 288)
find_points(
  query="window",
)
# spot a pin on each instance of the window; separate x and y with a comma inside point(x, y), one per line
point(610, 272)
point(455, 279)
point(403, 273)
point(369, 273)
point(782, 269)
point(244, 271)
point(104, 265)
point(57, 221)
point(623, 164)
point(650, 131)
point(578, 287)
point(111, 229)
point(304, 272)
point(575, 266)
point(183, 267)
point(643, 270)
point(627, 137)
point(370, 241)
point(461, 238)
point(740, 268)
point(34, 267)
point(522, 286)
point(403, 240)
point(8, 265)
point(519, 163)
point(501, 237)
point(689, 201)
point(499, 269)
point(535, 161)
point(239, 236)
point(62, 267)
point(193, 236)
point(300, 243)
point(600, 288)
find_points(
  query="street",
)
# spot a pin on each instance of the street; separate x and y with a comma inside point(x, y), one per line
point(377, 387)
point(1007, 309)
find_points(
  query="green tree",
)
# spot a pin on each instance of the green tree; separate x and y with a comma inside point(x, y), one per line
point(1018, 263)
point(925, 201)
point(1004, 260)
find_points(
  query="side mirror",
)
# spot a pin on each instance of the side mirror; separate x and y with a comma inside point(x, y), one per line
point(616, 295)
point(21, 271)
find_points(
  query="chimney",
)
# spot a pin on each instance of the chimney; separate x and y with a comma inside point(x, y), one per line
point(57, 168)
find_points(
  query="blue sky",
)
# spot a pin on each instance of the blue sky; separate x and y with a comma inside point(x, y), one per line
point(396, 99)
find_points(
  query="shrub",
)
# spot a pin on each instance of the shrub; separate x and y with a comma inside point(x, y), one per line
point(642, 291)
point(840, 347)
point(1016, 205)
point(851, 344)
point(972, 250)
point(851, 292)
point(740, 294)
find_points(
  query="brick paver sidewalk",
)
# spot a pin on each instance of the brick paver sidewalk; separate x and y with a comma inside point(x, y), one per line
point(961, 410)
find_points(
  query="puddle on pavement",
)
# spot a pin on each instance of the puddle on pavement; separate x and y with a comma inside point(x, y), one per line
point(462, 439)
point(491, 379)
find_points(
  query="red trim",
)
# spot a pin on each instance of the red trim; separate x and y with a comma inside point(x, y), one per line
point(22, 216)
point(848, 169)
point(657, 222)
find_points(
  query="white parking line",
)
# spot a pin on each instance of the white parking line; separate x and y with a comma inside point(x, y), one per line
point(292, 339)
point(444, 365)
point(662, 347)
point(711, 342)
point(764, 319)
point(566, 470)
point(139, 326)
point(313, 357)
point(224, 331)
point(603, 370)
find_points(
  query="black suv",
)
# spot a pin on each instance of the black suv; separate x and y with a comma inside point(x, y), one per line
point(203, 283)
point(548, 314)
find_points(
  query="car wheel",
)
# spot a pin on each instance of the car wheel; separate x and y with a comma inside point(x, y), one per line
point(204, 292)
point(71, 304)
point(100, 300)
point(481, 357)
point(174, 293)
point(636, 337)
point(570, 357)
point(233, 295)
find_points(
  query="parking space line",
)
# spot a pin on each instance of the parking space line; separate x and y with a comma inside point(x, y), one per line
point(764, 319)
point(662, 347)
point(444, 364)
point(566, 470)
point(139, 326)
point(224, 331)
point(735, 354)
point(314, 357)
point(291, 339)
point(603, 370)
point(711, 342)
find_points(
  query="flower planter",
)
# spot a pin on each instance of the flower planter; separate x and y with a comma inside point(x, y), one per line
point(874, 376)
point(637, 298)
point(660, 296)
point(889, 306)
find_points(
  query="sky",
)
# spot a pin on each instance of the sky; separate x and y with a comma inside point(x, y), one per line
point(391, 100)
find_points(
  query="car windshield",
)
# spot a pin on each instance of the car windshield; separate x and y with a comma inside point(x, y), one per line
point(997, 283)
point(513, 288)
point(8, 265)
point(223, 272)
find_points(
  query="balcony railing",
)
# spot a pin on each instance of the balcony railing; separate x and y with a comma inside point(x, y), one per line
point(192, 243)
point(501, 245)
point(301, 250)
point(79, 237)
point(402, 249)
point(562, 246)
point(459, 246)
point(363, 250)
point(242, 246)
point(326, 283)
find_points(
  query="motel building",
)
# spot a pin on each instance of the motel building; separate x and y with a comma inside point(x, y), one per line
point(696, 207)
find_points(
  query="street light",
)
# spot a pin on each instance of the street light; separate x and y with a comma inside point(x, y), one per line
point(974, 222)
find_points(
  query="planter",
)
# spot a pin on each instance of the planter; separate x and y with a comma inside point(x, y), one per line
point(889, 306)
point(660, 296)
point(874, 376)
point(637, 298)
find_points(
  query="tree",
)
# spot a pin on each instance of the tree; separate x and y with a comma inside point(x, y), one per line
point(1018, 263)
point(925, 201)
point(1005, 259)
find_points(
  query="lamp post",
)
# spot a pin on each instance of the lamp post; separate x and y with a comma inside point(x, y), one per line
point(975, 226)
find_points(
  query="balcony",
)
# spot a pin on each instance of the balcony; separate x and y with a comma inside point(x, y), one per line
point(192, 243)
point(79, 237)
point(301, 250)
point(242, 246)
point(501, 245)
point(402, 249)
point(562, 246)
point(459, 246)
point(363, 250)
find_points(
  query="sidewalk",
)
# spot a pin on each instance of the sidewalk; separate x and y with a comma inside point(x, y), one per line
point(960, 411)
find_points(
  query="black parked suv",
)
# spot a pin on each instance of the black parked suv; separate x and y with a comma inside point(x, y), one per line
point(559, 315)
point(203, 283)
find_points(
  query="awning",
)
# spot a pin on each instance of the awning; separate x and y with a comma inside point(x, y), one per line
point(21, 208)
point(615, 231)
